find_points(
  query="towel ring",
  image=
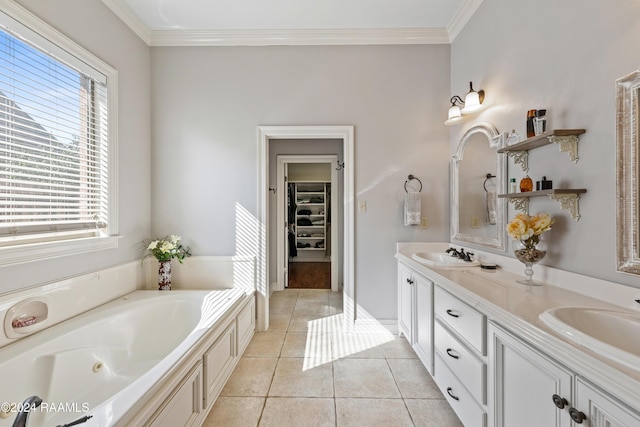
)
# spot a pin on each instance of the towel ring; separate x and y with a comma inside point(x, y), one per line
point(410, 178)
point(484, 184)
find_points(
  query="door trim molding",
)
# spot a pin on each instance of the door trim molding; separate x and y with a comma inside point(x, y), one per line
point(265, 134)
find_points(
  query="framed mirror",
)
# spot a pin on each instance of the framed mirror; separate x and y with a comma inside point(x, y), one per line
point(478, 175)
point(627, 164)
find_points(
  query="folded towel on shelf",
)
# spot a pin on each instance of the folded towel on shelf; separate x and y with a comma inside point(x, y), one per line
point(412, 208)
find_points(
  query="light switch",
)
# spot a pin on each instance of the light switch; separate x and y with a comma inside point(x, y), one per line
point(475, 222)
point(362, 206)
point(424, 222)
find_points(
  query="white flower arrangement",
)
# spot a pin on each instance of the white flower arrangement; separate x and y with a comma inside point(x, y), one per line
point(167, 248)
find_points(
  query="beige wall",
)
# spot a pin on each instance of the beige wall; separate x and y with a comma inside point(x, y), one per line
point(208, 103)
point(563, 56)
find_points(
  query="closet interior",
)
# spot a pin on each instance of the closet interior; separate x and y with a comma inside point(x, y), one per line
point(309, 225)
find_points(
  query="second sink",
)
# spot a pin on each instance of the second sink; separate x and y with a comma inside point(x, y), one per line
point(608, 332)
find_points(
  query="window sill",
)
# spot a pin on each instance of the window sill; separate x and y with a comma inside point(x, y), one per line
point(42, 251)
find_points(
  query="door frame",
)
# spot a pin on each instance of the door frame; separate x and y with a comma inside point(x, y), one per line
point(265, 134)
point(282, 182)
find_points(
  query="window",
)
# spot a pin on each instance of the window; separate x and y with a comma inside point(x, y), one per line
point(56, 145)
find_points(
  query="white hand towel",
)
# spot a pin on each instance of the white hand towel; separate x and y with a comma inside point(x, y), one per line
point(492, 212)
point(412, 208)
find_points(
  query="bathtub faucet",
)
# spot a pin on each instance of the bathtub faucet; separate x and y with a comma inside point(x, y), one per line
point(29, 404)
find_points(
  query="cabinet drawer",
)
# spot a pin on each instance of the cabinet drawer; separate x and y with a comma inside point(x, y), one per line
point(466, 408)
point(462, 362)
point(464, 320)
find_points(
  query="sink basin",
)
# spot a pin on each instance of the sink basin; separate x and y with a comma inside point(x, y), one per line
point(610, 333)
point(441, 259)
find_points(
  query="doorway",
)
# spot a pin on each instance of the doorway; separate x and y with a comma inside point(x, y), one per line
point(307, 221)
point(265, 135)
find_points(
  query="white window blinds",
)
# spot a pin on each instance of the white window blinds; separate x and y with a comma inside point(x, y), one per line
point(53, 147)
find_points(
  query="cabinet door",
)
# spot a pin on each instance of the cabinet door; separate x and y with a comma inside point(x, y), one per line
point(602, 410)
point(522, 383)
point(405, 302)
point(246, 325)
point(184, 406)
point(424, 320)
point(218, 364)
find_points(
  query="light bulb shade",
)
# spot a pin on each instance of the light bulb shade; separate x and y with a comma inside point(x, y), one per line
point(454, 115)
point(471, 103)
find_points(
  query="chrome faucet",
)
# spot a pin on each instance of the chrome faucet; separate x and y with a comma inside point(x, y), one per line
point(29, 404)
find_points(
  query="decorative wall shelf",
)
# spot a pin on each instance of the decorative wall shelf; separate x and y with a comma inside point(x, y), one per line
point(568, 199)
point(567, 140)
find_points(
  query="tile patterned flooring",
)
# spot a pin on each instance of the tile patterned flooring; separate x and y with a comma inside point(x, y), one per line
point(307, 371)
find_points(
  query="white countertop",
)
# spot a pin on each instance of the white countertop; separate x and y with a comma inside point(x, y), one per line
point(517, 308)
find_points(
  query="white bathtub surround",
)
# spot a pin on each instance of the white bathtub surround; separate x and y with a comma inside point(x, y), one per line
point(207, 272)
point(120, 361)
point(69, 297)
point(125, 355)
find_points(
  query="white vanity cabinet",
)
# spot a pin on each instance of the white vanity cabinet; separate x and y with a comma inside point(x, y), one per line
point(601, 409)
point(415, 312)
point(529, 388)
point(405, 302)
point(498, 368)
point(525, 385)
point(460, 366)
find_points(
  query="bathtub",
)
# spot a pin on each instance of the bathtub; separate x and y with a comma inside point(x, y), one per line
point(104, 362)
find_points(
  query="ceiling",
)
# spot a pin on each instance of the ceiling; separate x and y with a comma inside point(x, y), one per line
point(284, 22)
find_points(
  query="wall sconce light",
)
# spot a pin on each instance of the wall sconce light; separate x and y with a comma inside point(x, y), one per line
point(472, 104)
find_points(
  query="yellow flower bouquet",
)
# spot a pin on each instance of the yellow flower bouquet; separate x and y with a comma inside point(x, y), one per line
point(528, 228)
point(528, 248)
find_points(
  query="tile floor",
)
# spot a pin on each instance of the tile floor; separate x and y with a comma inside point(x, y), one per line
point(306, 371)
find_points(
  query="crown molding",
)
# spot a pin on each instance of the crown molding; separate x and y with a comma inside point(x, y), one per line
point(129, 17)
point(299, 37)
point(462, 17)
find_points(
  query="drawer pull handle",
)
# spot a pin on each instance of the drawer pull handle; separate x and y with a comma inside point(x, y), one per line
point(577, 416)
point(409, 281)
point(451, 313)
point(449, 390)
point(450, 354)
point(560, 402)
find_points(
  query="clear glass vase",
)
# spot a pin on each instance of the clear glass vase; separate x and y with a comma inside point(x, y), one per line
point(529, 252)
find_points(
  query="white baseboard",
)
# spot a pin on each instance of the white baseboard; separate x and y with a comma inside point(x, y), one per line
point(376, 326)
